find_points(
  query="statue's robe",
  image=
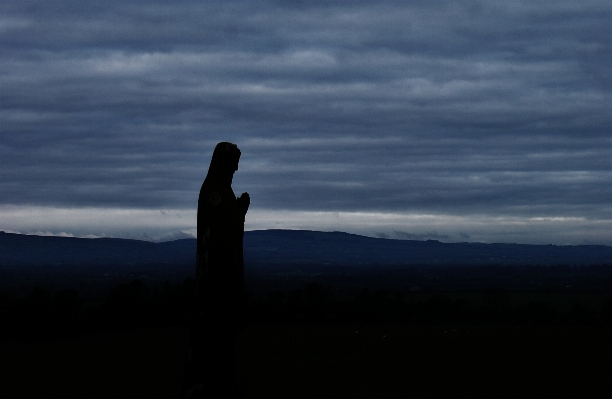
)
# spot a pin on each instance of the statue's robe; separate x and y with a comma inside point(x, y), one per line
point(219, 286)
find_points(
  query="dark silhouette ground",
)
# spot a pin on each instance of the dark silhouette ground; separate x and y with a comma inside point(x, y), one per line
point(308, 360)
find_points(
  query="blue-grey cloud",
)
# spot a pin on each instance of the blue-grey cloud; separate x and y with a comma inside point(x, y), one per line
point(496, 108)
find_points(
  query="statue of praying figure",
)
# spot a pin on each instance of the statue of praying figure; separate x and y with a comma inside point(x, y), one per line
point(219, 280)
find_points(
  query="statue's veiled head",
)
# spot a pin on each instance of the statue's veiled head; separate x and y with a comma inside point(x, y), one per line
point(224, 162)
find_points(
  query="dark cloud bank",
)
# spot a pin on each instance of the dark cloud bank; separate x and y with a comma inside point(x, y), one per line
point(478, 111)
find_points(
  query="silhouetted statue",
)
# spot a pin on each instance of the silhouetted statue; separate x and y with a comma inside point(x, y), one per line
point(219, 279)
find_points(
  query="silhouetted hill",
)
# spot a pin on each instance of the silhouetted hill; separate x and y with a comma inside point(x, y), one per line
point(276, 247)
point(303, 246)
point(17, 249)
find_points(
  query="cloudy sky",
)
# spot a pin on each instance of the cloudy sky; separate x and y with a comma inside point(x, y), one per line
point(480, 121)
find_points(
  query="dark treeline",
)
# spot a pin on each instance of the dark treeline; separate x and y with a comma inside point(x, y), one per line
point(443, 278)
point(554, 295)
point(96, 281)
point(319, 303)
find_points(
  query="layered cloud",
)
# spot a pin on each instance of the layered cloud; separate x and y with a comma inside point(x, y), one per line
point(464, 111)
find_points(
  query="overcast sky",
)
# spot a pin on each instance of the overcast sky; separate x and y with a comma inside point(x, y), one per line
point(480, 121)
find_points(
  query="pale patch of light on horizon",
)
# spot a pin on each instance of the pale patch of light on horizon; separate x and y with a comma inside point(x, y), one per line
point(170, 224)
point(145, 224)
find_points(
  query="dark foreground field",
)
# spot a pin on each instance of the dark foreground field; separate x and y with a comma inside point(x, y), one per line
point(311, 360)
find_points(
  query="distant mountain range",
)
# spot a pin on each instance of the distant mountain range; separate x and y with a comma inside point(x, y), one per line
point(277, 247)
